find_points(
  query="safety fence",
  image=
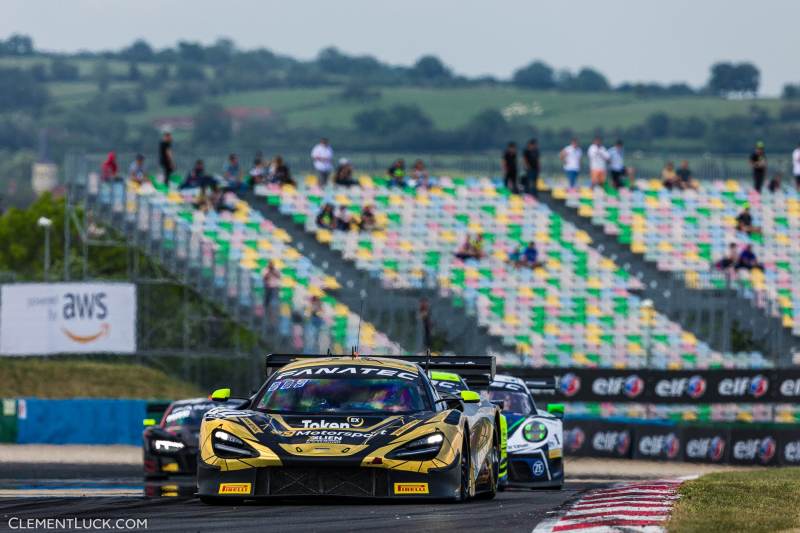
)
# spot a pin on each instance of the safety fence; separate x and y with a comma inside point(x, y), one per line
point(764, 445)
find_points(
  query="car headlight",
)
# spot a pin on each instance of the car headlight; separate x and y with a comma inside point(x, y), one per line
point(167, 446)
point(420, 449)
point(229, 446)
point(534, 431)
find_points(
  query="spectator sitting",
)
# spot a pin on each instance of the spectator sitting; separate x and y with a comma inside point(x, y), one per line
point(684, 174)
point(774, 185)
point(729, 261)
point(397, 173)
point(748, 260)
point(744, 222)
point(530, 256)
point(279, 172)
point(515, 257)
point(419, 175)
point(197, 178)
point(109, 170)
point(343, 220)
point(471, 248)
point(136, 171)
point(326, 217)
point(344, 173)
point(258, 173)
point(668, 176)
point(232, 173)
point(223, 199)
point(368, 220)
point(203, 201)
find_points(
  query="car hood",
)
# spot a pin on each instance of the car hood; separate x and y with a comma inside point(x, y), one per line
point(287, 439)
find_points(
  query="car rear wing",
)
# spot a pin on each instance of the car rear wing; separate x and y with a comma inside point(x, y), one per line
point(542, 386)
point(477, 370)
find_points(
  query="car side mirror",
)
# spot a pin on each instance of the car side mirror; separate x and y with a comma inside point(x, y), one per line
point(221, 395)
point(499, 403)
point(470, 396)
point(556, 409)
point(147, 422)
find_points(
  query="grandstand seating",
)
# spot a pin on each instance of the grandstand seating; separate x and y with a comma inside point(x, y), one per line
point(233, 248)
point(687, 231)
point(576, 311)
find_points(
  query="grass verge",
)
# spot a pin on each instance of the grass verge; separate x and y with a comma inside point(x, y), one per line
point(754, 500)
point(87, 379)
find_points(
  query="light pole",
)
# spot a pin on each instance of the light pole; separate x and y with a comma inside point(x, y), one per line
point(45, 223)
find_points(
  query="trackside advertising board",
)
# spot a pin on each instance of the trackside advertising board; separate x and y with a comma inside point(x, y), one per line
point(670, 386)
point(49, 318)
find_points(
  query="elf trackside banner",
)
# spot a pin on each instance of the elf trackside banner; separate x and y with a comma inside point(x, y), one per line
point(48, 318)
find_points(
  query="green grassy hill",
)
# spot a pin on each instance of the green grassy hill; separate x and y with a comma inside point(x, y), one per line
point(449, 108)
point(57, 378)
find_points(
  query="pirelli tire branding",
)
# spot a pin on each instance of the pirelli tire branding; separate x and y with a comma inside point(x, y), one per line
point(664, 386)
point(765, 446)
point(235, 489)
point(409, 489)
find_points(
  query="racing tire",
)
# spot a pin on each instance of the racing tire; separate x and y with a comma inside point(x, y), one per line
point(465, 471)
point(494, 457)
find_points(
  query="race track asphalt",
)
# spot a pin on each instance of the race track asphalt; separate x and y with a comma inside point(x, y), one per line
point(40, 491)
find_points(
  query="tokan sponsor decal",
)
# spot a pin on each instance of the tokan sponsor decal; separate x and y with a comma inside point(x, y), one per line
point(234, 488)
point(411, 488)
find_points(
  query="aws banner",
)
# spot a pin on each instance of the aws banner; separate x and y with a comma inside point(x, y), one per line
point(48, 318)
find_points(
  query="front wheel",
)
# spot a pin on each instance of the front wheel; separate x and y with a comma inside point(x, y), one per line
point(466, 473)
point(494, 466)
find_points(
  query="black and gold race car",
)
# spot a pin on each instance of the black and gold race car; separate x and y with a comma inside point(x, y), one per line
point(367, 427)
point(170, 445)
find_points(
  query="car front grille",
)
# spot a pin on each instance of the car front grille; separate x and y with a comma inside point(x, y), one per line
point(304, 481)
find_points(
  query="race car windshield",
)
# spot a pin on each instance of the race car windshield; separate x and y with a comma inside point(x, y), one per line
point(513, 402)
point(187, 415)
point(343, 394)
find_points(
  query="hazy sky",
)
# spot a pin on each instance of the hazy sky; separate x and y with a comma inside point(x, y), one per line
point(628, 40)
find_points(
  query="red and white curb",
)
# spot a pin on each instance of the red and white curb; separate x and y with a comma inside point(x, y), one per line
point(642, 507)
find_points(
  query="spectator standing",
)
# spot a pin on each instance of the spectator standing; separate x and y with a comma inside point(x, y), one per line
point(616, 164)
point(272, 281)
point(510, 169)
point(322, 155)
point(136, 172)
point(425, 318)
point(109, 169)
point(166, 158)
point(530, 159)
point(796, 166)
point(758, 160)
point(571, 156)
point(315, 324)
point(598, 160)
